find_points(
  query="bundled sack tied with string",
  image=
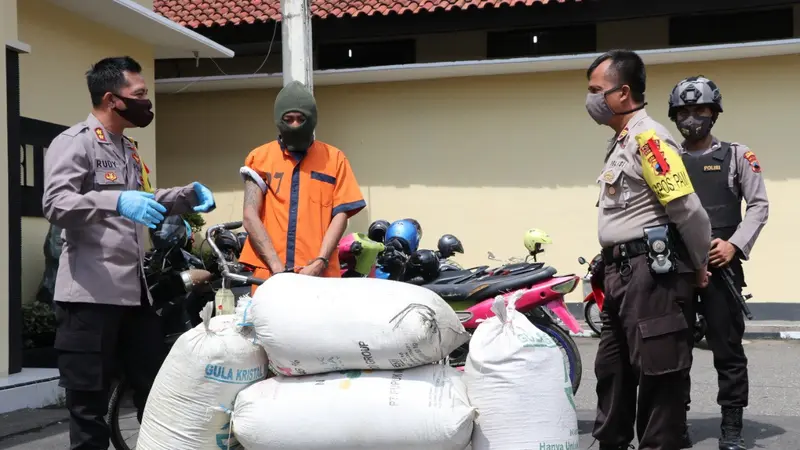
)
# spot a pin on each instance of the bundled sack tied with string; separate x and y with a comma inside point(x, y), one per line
point(190, 403)
point(312, 325)
point(421, 408)
point(517, 378)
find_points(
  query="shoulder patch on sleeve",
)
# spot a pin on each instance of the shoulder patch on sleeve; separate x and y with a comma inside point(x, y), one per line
point(663, 168)
point(753, 161)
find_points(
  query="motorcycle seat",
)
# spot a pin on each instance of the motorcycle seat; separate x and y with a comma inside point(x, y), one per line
point(449, 276)
point(469, 275)
point(487, 287)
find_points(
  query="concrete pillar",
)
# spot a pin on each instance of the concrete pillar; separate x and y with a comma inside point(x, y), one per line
point(297, 49)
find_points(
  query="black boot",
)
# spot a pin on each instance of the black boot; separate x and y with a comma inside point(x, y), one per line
point(731, 428)
point(686, 440)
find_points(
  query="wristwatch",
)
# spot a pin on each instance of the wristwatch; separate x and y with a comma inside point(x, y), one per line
point(324, 260)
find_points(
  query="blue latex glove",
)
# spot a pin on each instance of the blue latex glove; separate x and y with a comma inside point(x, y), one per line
point(204, 197)
point(140, 207)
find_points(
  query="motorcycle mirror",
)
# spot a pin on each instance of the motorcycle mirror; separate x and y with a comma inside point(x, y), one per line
point(581, 260)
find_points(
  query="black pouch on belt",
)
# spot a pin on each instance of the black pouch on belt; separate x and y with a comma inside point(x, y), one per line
point(661, 257)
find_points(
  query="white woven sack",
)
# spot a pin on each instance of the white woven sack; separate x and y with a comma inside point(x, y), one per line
point(190, 401)
point(312, 325)
point(424, 408)
point(517, 378)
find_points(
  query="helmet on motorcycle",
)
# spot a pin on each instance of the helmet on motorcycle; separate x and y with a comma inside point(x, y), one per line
point(424, 263)
point(697, 90)
point(227, 243)
point(534, 239)
point(241, 237)
point(170, 233)
point(444, 266)
point(377, 230)
point(407, 232)
point(449, 245)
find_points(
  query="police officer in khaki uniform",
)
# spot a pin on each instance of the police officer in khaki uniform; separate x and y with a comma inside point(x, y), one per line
point(655, 236)
point(722, 173)
point(98, 190)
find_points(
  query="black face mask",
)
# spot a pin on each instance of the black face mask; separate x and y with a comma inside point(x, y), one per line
point(139, 112)
point(297, 138)
point(695, 128)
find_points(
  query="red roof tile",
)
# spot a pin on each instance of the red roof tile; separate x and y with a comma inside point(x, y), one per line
point(206, 13)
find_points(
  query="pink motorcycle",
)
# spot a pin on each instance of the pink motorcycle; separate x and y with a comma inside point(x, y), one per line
point(472, 292)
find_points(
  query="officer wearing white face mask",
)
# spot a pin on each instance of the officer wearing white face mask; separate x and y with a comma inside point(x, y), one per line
point(655, 236)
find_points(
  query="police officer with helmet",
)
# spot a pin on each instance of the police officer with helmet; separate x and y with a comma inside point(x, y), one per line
point(723, 173)
point(98, 190)
point(655, 237)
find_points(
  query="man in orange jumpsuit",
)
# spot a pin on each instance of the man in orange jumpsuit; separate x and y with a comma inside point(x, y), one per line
point(298, 195)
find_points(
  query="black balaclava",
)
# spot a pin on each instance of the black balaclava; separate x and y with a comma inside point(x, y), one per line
point(295, 97)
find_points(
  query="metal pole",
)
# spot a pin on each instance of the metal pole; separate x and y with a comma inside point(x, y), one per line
point(296, 42)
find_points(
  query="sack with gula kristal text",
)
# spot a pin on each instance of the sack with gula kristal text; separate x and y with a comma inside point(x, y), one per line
point(190, 401)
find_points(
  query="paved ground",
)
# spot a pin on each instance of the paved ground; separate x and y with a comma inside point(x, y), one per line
point(772, 421)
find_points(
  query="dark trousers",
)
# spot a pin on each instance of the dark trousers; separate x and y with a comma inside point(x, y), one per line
point(95, 344)
point(725, 322)
point(644, 344)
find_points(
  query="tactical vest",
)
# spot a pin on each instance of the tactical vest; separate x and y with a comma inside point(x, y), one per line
point(709, 174)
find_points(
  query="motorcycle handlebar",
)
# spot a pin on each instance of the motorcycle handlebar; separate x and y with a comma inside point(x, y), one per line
point(221, 261)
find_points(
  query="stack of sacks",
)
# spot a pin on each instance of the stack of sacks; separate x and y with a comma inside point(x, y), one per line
point(356, 359)
point(191, 398)
point(517, 378)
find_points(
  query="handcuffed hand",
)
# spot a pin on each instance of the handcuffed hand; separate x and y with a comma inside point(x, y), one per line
point(314, 269)
point(141, 207)
point(204, 197)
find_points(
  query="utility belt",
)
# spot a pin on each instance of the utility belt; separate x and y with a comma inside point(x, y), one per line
point(661, 244)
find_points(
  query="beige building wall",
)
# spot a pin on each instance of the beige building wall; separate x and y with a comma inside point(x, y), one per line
point(488, 158)
point(53, 89)
point(8, 32)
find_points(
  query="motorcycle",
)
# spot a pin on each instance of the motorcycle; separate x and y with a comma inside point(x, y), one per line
point(592, 296)
point(180, 286)
point(471, 293)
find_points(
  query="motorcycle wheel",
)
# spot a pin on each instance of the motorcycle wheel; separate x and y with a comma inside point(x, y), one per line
point(121, 417)
point(591, 312)
point(572, 355)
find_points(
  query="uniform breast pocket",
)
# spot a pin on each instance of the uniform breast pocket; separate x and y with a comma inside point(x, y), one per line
point(322, 186)
point(615, 191)
point(106, 179)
